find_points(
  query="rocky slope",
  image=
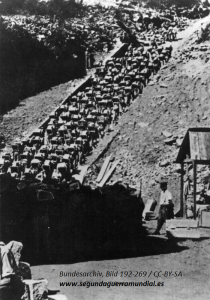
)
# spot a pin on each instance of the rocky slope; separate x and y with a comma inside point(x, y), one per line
point(151, 132)
point(175, 99)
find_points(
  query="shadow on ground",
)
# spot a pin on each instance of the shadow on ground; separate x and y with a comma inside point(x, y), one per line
point(79, 225)
point(115, 249)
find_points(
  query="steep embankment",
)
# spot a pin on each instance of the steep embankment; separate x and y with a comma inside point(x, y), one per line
point(176, 98)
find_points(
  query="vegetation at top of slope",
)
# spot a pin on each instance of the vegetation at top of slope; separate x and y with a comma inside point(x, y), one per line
point(60, 8)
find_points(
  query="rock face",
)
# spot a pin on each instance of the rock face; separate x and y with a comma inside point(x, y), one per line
point(35, 290)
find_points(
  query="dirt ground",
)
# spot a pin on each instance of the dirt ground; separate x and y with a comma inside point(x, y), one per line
point(190, 260)
point(176, 99)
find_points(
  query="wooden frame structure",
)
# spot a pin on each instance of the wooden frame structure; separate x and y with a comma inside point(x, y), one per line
point(195, 149)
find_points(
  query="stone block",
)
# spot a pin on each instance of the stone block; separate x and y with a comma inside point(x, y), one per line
point(166, 133)
point(164, 163)
point(170, 141)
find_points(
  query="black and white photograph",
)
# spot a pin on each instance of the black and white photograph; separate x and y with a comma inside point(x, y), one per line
point(104, 149)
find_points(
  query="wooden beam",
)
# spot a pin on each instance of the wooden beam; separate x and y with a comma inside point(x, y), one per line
point(104, 168)
point(108, 174)
point(202, 162)
point(108, 168)
point(198, 161)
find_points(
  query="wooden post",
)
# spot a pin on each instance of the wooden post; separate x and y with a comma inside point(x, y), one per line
point(181, 190)
point(184, 196)
point(86, 60)
point(194, 182)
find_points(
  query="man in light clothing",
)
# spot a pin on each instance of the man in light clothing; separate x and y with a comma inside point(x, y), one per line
point(166, 206)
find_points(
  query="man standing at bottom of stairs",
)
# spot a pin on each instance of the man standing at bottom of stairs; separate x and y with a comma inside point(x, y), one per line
point(166, 210)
